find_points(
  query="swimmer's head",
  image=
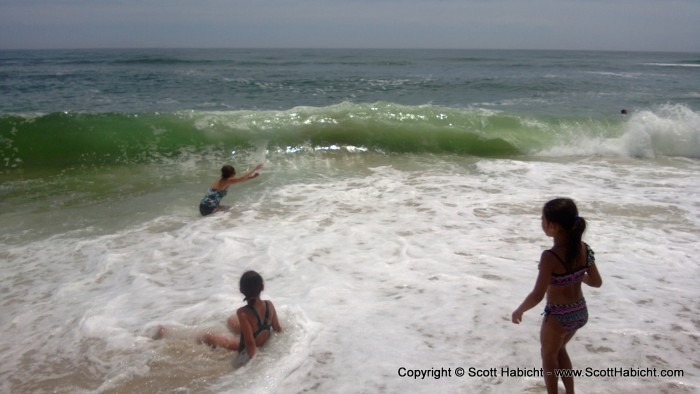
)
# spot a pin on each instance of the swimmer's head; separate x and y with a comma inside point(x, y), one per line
point(251, 285)
point(227, 171)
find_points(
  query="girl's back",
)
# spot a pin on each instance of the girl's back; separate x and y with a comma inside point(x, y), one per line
point(565, 284)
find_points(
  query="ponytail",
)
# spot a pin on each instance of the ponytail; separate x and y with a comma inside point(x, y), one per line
point(573, 247)
point(250, 300)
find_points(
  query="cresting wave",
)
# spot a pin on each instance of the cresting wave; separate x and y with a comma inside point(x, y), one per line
point(65, 140)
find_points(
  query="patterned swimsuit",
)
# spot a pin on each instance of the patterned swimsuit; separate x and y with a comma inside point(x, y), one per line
point(570, 316)
point(211, 201)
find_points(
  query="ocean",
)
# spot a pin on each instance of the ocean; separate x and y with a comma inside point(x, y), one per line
point(396, 220)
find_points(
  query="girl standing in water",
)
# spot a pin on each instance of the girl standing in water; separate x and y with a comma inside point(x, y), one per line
point(562, 269)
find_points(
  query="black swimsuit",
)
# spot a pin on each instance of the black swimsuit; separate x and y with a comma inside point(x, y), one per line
point(263, 324)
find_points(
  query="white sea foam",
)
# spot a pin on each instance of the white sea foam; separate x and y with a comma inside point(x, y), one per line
point(668, 130)
point(672, 130)
point(617, 74)
point(691, 65)
point(374, 263)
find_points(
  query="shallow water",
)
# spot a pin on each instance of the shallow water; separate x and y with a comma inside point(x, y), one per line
point(393, 262)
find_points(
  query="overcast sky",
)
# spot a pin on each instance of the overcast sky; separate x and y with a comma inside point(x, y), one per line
point(654, 25)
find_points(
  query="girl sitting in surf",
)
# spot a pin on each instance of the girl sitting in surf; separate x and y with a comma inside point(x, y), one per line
point(562, 269)
point(253, 323)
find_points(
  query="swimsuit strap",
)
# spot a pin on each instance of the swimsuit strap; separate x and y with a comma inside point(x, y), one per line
point(255, 312)
point(261, 327)
point(267, 314)
point(262, 323)
point(574, 276)
point(557, 256)
point(589, 258)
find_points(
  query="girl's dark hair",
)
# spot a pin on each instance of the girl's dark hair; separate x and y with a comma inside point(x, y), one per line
point(227, 171)
point(563, 212)
point(251, 285)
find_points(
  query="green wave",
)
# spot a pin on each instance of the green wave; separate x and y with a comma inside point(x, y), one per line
point(65, 140)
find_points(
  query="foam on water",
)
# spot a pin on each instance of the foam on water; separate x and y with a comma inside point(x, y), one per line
point(394, 261)
point(670, 131)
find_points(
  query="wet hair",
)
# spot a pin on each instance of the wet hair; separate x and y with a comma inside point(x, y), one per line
point(563, 212)
point(227, 171)
point(251, 285)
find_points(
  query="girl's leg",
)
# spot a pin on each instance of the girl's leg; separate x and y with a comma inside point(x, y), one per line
point(552, 339)
point(221, 208)
point(223, 340)
point(565, 363)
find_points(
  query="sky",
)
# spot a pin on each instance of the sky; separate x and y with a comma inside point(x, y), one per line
point(626, 25)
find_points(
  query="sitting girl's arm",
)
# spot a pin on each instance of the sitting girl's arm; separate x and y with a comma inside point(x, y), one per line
point(247, 332)
point(275, 323)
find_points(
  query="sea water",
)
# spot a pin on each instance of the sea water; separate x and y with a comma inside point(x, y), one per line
point(396, 220)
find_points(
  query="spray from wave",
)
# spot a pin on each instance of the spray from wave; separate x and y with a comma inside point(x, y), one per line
point(671, 130)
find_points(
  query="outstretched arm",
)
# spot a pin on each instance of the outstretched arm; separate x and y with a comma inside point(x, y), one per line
point(537, 294)
point(252, 173)
point(247, 175)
